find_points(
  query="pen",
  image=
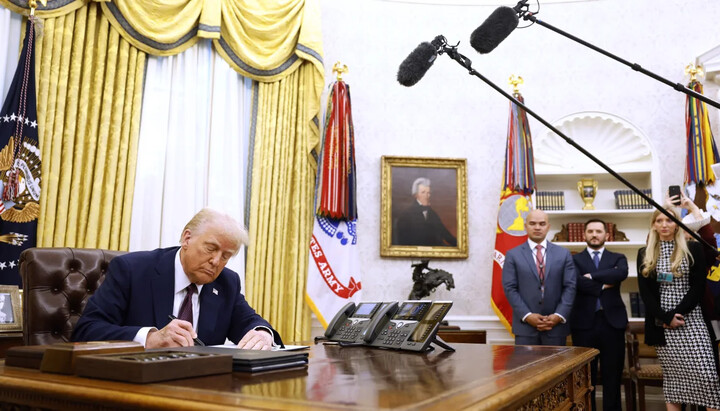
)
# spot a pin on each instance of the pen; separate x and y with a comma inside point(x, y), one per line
point(195, 340)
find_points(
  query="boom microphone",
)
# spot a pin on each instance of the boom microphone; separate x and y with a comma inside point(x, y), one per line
point(414, 67)
point(494, 29)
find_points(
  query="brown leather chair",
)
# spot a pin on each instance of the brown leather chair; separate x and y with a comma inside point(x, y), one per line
point(644, 367)
point(57, 283)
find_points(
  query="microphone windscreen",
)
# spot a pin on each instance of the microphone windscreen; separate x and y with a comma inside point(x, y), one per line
point(494, 30)
point(414, 67)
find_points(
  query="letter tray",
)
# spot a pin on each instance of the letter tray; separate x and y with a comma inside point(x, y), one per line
point(152, 366)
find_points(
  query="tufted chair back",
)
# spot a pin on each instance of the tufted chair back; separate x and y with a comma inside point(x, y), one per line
point(57, 283)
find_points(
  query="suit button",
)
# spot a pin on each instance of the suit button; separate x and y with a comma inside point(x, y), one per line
point(540, 302)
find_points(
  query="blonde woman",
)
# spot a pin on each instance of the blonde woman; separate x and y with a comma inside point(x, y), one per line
point(671, 281)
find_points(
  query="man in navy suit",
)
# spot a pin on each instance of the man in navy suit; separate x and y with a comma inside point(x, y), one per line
point(599, 318)
point(143, 289)
point(539, 282)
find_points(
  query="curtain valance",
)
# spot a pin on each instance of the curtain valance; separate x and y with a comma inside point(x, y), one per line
point(261, 39)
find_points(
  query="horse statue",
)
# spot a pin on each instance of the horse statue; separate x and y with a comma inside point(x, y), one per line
point(426, 280)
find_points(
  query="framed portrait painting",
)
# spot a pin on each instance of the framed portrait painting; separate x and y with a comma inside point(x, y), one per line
point(424, 207)
point(10, 308)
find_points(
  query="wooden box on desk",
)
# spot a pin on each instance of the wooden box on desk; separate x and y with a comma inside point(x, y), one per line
point(153, 366)
point(61, 358)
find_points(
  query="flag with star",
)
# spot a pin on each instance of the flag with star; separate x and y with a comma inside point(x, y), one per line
point(515, 202)
point(19, 164)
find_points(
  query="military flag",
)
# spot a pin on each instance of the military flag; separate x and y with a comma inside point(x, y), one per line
point(19, 164)
point(515, 201)
point(701, 149)
point(702, 153)
point(333, 272)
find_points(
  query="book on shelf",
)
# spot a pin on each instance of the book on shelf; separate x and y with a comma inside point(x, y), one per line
point(634, 305)
point(550, 200)
point(637, 306)
point(630, 200)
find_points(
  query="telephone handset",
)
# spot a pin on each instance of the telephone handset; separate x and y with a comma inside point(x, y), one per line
point(379, 321)
point(339, 319)
point(413, 327)
point(351, 323)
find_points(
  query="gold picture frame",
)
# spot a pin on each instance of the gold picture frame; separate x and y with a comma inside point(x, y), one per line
point(409, 229)
point(10, 308)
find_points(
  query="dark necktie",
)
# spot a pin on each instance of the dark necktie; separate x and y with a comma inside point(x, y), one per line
point(596, 261)
point(186, 311)
point(540, 263)
point(596, 258)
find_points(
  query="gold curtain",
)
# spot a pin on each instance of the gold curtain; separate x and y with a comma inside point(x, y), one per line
point(283, 178)
point(89, 98)
point(275, 42)
point(261, 39)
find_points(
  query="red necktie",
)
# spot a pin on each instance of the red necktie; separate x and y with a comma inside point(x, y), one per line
point(186, 311)
point(540, 263)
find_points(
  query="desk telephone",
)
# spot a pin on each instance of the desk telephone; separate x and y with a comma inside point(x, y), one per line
point(410, 326)
point(357, 324)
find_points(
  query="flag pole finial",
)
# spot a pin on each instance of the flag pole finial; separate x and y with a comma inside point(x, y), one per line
point(693, 70)
point(515, 81)
point(339, 70)
point(32, 4)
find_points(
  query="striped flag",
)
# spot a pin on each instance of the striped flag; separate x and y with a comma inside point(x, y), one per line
point(515, 203)
point(19, 164)
point(701, 150)
point(333, 272)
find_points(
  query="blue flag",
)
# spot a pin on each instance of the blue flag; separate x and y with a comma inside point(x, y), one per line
point(19, 165)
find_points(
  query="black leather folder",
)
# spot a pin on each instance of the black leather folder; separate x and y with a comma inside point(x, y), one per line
point(255, 360)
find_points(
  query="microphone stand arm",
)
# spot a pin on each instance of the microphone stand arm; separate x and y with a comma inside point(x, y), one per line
point(677, 86)
point(452, 52)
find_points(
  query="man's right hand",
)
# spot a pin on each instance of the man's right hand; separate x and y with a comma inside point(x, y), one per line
point(535, 320)
point(177, 333)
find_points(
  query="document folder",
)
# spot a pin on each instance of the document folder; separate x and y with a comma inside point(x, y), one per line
point(255, 360)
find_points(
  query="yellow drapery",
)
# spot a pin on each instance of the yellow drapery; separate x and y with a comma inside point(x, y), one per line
point(89, 97)
point(282, 200)
point(276, 41)
point(261, 39)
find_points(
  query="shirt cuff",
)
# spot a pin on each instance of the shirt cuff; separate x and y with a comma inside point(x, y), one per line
point(562, 319)
point(272, 335)
point(525, 316)
point(142, 333)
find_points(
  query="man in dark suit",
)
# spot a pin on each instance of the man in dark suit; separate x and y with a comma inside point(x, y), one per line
point(539, 282)
point(142, 290)
point(599, 318)
point(419, 224)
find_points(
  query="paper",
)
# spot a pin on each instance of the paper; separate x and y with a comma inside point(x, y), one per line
point(287, 347)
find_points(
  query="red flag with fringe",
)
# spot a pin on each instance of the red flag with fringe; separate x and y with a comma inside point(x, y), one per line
point(515, 203)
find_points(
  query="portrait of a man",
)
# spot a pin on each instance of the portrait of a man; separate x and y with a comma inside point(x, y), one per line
point(424, 207)
point(419, 224)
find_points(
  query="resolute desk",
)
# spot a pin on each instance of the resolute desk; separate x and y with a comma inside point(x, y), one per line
point(476, 376)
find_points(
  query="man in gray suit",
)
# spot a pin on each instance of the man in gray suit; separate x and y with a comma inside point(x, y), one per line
point(539, 282)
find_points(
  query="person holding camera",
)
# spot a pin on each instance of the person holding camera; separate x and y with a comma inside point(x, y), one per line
point(671, 282)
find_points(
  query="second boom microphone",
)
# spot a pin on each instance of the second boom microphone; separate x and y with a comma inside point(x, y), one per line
point(494, 29)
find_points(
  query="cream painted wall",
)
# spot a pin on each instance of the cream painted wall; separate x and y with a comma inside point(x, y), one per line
point(450, 114)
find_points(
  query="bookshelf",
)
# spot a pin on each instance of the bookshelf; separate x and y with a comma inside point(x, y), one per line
point(622, 146)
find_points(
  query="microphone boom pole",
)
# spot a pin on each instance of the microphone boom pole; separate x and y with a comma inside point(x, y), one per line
point(526, 15)
point(452, 52)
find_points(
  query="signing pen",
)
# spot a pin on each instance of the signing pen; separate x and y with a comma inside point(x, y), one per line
point(195, 340)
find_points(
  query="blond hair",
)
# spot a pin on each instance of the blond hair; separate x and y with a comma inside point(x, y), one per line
point(652, 251)
point(224, 223)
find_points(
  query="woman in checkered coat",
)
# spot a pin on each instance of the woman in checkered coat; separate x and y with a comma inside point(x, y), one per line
point(671, 282)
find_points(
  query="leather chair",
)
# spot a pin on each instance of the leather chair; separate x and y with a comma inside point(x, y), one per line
point(643, 373)
point(57, 283)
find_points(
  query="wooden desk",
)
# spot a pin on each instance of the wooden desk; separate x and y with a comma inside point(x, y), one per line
point(477, 376)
